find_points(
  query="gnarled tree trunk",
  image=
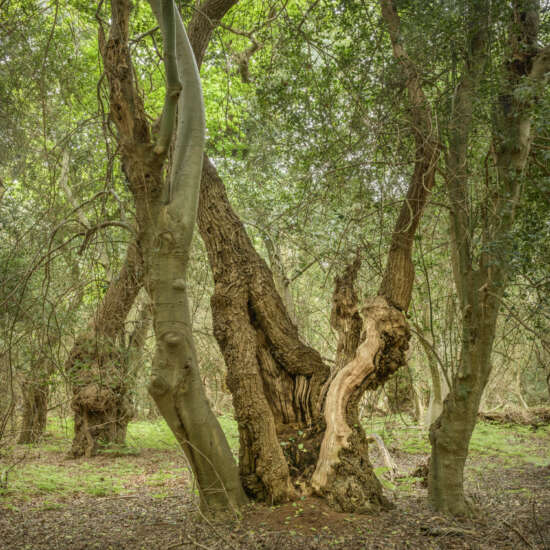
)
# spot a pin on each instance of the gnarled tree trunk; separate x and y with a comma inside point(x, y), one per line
point(97, 367)
point(385, 329)
point(276, 380)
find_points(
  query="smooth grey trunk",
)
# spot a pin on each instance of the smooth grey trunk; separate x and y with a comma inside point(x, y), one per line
point(419, 409)
point(176, 385)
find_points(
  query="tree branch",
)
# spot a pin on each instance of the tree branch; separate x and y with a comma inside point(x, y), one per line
point(204, 21)
point(398, 276)
point(173, 85)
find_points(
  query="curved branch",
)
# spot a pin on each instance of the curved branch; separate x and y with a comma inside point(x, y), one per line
point(102, 225)
point(398, 276)
point(173, 84)
point(191, 135)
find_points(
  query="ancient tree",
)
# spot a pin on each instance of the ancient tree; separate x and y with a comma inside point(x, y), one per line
point(165, 212)
point(299, 429)
point(96, 363)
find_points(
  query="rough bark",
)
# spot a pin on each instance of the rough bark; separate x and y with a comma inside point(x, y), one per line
point(274, 378)
point(165, 212)
point(381, 353)
point(344, 316)
point(97, 368)
point(35, 410)
point(480, 287)
point(385, 329)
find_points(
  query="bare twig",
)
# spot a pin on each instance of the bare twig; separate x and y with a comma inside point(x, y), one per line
point(519, 533)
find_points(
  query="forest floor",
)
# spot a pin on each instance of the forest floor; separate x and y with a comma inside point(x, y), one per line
point(143, 498)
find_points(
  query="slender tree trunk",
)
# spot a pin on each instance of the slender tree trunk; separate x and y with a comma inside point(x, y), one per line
point(166, 212)
point(451, 432)
point(435, 405)
point(35, 410)
point(419, 409)
point(481, 289)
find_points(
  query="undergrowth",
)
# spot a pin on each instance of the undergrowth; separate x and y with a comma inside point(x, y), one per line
point(152, 461)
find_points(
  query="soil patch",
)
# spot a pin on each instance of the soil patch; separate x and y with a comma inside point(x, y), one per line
point(512, 503)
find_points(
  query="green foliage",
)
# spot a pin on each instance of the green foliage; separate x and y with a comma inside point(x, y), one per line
point(230, 427)
point(509, 443)
point(40, 479)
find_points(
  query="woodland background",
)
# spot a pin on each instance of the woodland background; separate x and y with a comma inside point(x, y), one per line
point(309, 127)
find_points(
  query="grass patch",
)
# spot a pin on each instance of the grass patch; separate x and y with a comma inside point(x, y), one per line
point(50, 479)
point(512, 444)
point(151, 435)
point(230, 428)
point(42, 474)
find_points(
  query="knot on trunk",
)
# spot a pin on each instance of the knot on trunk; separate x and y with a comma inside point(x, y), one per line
point(94, 397)
point(393, 330)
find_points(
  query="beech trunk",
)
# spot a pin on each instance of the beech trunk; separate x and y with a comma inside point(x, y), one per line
point(166, 211)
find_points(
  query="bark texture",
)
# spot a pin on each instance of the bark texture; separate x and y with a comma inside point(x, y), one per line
point(481, 284)
point(342, 474)
point(35, 411)
point(385, 330)
point(97, 365)
point(274, 378)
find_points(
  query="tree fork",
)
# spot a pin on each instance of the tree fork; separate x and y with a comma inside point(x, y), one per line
point(385, 329)
point(480, 288)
